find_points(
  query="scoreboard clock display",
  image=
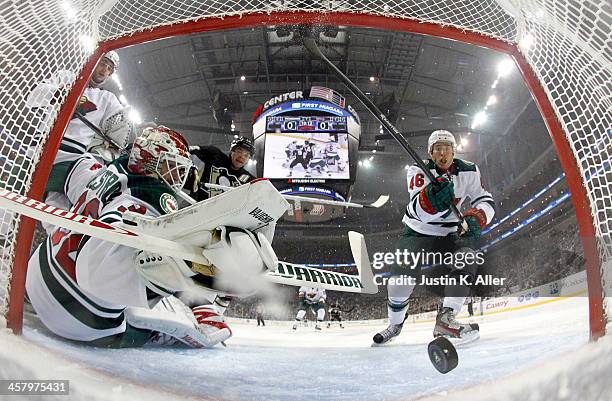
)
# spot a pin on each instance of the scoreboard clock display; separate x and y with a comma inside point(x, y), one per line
point(286, 124)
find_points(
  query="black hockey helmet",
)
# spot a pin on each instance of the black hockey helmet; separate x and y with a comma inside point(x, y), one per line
point(242, 142)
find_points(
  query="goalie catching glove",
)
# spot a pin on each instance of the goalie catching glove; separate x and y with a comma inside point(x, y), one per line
point(235, 255)
point(436, 198)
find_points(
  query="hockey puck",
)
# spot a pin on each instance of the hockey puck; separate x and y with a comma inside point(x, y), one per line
point(443, 355)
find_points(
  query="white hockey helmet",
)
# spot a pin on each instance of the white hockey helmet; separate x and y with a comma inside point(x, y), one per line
point(441, 136)
point(113, 57)
point(163, 152)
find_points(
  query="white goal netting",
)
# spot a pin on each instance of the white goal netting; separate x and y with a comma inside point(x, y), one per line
point(567, 44)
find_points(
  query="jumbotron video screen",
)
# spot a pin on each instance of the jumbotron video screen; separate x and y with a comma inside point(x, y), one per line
point(306, 147)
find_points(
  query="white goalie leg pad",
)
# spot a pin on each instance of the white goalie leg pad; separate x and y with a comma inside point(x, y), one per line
point(170, 317)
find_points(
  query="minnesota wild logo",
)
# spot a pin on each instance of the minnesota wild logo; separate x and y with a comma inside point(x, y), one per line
point(85, 106)
point(168, 203)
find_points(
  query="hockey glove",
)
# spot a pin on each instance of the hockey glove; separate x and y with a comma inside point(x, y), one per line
point(476, 220)
point(436, 198)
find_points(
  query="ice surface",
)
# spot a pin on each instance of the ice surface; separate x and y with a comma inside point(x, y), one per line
point(537, 353)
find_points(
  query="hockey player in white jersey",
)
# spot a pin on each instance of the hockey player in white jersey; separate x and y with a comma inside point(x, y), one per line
point(100, 107)
point(311, 298)
point(317, 161)
point(86, 289)
point(290, 153)
point(332, 157)
point(431, 227)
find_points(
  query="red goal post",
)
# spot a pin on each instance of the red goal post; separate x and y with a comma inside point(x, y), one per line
point(566, 67)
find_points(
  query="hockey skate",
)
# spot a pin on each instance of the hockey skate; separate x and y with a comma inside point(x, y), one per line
point(318, 326)
point(447, 326)
point(387, 334)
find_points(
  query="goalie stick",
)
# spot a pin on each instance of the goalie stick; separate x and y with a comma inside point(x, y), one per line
point(311, 45)
point(382, 199)
point(287, 273)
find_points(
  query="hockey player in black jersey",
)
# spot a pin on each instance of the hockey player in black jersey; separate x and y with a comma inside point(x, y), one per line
point(212, 166)
point(335, 315)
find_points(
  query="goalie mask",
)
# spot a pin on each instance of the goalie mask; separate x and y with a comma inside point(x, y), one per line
point(162, 152)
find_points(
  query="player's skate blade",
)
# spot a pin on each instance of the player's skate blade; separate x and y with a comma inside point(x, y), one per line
point(386, 335)
point(466, 337)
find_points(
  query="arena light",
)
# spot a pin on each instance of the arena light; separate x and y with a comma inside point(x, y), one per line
point(242, 77)
point(479, 119)
point(123, 100)
point(492, 100)
point(134, 115)
point(505, 67)
point(115, 78)
point(464, 142)
point(494, 85)
point(372, 79)
point(233, 126)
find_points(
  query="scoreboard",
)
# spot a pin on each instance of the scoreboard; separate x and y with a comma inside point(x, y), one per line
point(303, 124)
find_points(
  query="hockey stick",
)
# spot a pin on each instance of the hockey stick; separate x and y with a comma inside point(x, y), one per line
point(313, 48)
point(382, 199)
point(288, 274)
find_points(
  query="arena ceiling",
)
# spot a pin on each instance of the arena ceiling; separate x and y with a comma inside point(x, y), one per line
point(426, 82)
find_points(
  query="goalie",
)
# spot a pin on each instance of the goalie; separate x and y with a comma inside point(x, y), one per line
point(105, 294)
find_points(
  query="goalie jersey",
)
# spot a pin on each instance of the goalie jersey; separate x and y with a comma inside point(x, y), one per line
point(467, 184)
point(312, 295)
point(80, 285)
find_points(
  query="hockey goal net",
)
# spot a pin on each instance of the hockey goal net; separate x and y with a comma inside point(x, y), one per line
point(562, 48)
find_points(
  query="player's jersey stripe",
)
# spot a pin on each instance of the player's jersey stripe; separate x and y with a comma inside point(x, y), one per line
point(483, 198)
point(72, 145)
point(105, 218)
point(70, 286)
point(70, 303)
